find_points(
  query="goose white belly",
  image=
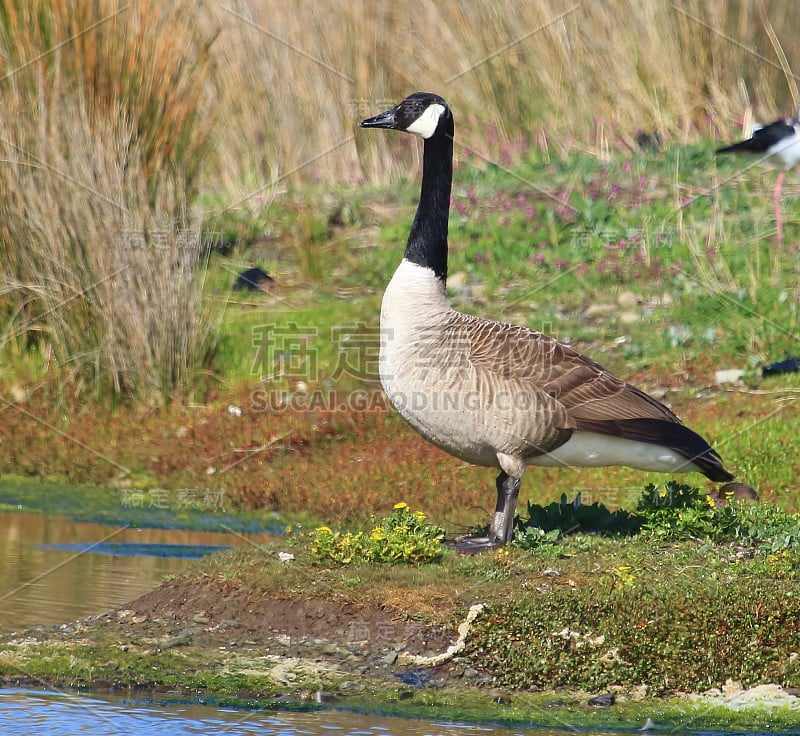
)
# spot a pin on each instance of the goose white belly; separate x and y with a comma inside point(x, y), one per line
point(592, 450)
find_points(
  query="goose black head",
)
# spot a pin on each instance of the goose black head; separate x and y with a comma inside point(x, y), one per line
point(422, 114)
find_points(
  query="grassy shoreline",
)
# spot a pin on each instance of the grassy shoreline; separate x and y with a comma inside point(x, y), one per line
point(246, 630)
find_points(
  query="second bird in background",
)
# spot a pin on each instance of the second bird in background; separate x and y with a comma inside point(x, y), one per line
point(780, 140)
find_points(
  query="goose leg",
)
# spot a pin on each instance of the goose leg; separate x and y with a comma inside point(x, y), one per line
point(502, 528)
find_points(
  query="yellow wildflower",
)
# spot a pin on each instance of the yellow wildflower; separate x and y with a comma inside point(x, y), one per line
point(400, 505)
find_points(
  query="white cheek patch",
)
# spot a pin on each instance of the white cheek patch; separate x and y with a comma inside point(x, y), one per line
point(425, 125)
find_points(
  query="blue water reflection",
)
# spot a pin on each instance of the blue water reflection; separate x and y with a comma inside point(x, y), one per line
point(31, 712)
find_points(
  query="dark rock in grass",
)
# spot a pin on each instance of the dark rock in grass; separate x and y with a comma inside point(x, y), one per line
point(604, 700)
point(648, 141)
point(253, 279)
point(418, 677)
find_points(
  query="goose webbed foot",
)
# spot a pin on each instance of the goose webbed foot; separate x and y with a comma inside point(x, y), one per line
point(475, 543)
point(502, 526)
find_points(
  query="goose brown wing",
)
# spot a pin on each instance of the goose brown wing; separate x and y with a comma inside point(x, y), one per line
point(583, 387)
point(595, 400)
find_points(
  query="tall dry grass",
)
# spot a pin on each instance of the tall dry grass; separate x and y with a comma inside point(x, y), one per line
point(555, 72)
point(103, 130)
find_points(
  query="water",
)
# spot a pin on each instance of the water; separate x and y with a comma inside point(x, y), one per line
point(54, 570)
point(31, 712)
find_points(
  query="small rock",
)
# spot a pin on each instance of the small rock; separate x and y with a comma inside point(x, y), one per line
point(628, 318)
point(729, 375)
point(181, 432)
point(600, 310)
point(457, 280)
point(551, 573)
point(140, 619)
point(470, 673)
point(182, 638)
point(234, 410)
point(628, 299)
point(322, 697)
point(201, 617)
point(390, 658)
point(285, 556)
point(733, 491)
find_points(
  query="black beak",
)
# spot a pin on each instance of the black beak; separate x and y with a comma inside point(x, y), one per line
point(383, 120)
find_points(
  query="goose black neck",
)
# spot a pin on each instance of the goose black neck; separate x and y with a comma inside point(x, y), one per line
point(427, 241)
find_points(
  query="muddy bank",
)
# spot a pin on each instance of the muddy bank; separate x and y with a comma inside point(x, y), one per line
point(217, 642)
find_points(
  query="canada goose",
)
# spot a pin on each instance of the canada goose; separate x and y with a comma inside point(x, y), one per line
point(779, 139)
point(500, 395)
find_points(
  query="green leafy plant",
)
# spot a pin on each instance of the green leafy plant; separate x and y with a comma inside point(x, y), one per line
point(404, 536)
point(546, 524)
point(679, 511)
